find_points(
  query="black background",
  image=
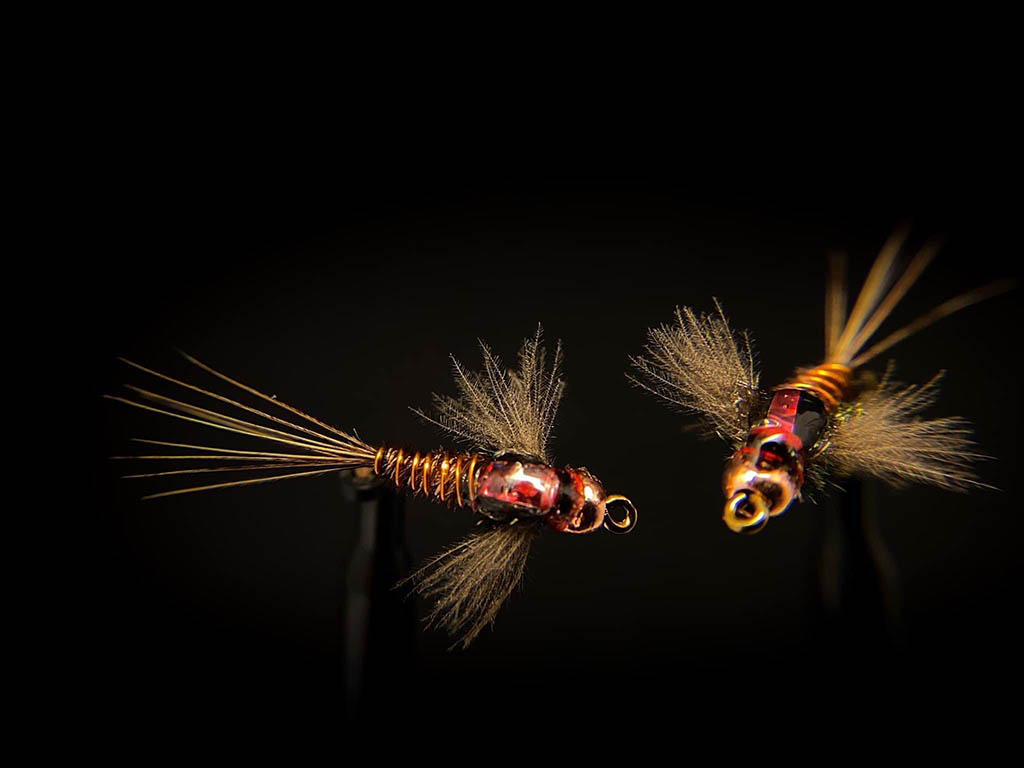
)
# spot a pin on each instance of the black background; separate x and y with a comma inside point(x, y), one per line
point(341, 282)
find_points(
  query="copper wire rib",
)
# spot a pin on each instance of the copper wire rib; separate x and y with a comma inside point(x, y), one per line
point(398, 467)
point(471, 475)
point(458, 480)
point(829, 382)
point(444, 475)
point(436, 473)
point(427, 463)
point(412, 471)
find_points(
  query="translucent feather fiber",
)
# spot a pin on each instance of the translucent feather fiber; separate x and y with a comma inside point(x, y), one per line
point(472, 580)
point(502, 410)
point(699, 364)
point(882, 436)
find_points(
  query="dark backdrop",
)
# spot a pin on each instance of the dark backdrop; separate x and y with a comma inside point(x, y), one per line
point(342, 287)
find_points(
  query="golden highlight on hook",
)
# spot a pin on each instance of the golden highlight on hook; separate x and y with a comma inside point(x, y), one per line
point(627, 523)
point(746, 511)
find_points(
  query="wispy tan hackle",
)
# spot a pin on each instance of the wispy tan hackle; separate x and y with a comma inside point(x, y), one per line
point(470, 582)
point(883, 436)
point(505, 410)
point(700, 365)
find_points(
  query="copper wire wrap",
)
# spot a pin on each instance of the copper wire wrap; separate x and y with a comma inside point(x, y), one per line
point(829, 382)
point(448, 477)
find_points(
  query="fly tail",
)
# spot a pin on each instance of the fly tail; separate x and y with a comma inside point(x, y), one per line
point(846, 336)
point(293, 448)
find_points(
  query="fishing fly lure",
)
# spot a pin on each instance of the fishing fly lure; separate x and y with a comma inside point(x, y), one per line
point(830, 418)
point(508, 480)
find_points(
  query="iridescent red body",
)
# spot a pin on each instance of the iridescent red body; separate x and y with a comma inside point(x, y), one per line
point(766, 474)
point(569, 500)
point(507, 488)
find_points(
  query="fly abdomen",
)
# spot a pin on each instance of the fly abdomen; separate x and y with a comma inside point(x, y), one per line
point(828, 382)
point(448, 477)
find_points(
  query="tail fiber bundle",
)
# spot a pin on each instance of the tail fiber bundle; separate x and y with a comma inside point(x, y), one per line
point(846, 336)
point(315, 450)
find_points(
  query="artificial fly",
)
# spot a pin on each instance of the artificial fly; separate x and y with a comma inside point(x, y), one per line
point(831, 418)
point(508, 479)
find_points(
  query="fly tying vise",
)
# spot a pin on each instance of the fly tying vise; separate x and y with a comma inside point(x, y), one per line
point(509, 479)
point(831, 417)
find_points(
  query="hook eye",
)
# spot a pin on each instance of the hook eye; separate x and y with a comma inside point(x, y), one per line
point(627, 523)
point(746, 511)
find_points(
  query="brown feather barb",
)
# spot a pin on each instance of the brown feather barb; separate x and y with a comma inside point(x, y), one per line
point(471, 581)
point(883, 436)
point(503, 410)
point(699, 365)
point(498, 412)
